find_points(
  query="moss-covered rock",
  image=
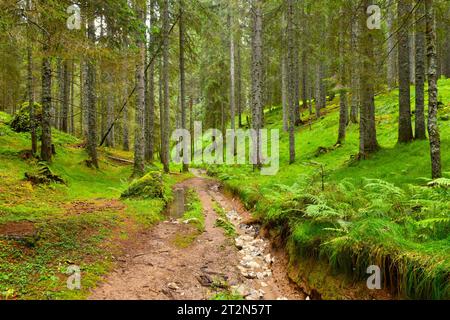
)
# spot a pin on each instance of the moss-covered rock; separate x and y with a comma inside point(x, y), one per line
point(149, 186)
point(21, 121)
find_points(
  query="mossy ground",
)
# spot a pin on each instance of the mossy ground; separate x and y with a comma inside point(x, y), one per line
point(81, 223)
point(377, 211)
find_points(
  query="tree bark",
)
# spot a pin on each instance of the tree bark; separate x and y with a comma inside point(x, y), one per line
point(355, 72)
point(165, 122)
point(291, 82)
point(405, 132)
point(392, 50)
point(433, 127)
point(30, 84)
point(46, 138)
point(64, 112)
point(139, 133)
point(150, 100)
point(368, 133)
point(257, 76)
point(183, 76)
point(91, 103)
point(420, 131)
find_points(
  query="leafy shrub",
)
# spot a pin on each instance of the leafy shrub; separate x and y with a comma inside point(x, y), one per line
point(21, 121)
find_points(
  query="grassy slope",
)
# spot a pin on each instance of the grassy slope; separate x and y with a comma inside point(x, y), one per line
point(81, 223)
point(357, 222)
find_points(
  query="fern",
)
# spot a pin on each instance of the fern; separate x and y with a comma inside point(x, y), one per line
point(440, 183)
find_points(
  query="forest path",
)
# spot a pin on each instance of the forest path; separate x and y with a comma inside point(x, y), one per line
point(155, 267)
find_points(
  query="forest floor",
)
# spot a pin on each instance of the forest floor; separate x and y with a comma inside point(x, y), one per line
point(156, 266)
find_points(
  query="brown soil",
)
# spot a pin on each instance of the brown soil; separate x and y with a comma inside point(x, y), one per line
point(99, 205)
point(155, 267)
point(17, 229)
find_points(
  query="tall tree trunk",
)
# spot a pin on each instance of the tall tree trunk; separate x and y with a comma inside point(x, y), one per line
point(58, 106)
point(291, 77)
point(91, 103)
point(305, 80)
point(420, 132)
point(72, 98)
point(405, 132)
point(433, 127)
point(319, 88)
point(165, 121)
point(183, 77)
point(239, 82)
point(355, 78)
point(46, 137)
point(284, 91)
point(343, 113)
point(110, 110)
point(283, 66)
point(392, 50)
point(368, 133)
point(64, 112)
point(30, 84)
point(139, 133)
point(257, 76)
point(125, 118)
point(150, 99)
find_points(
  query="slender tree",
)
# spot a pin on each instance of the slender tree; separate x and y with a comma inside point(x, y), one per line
point(291, 77)
point(405, 131)
point(433, 127)
point(139, 133)
point(420, 43)
point(257, 76)
point(165, 121)
point(368, 133)
point(91, 145)
point(183, 75)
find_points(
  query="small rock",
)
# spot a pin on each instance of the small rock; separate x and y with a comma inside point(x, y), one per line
point(173, 286)
point(308, 298)
point(264, 285)
point(282, 299)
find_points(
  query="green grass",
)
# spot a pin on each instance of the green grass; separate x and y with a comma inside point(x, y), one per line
point(223, 222)
point(194, 210)
point(80, 223)
point(375, 211)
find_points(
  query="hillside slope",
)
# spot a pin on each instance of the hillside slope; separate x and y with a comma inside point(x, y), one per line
point(375, 212)
point(44, 229)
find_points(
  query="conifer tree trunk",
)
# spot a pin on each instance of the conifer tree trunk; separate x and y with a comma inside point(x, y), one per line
point(433, 127)
point(30, 84)
point(239, 82)
point(392, 50)
point(343, 113)
point(257, 76)
point(405, 132)
point(64, 113)
point(183, 77)
point(368, 133)
point(291, 78)
point(420, 42)
point(165, 121)
point(91, 102)
point(139, 133)
point(150, 100)
point(355, 73)
point(46, 137)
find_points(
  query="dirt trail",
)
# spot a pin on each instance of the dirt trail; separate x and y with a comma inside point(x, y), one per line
point(155, 268)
